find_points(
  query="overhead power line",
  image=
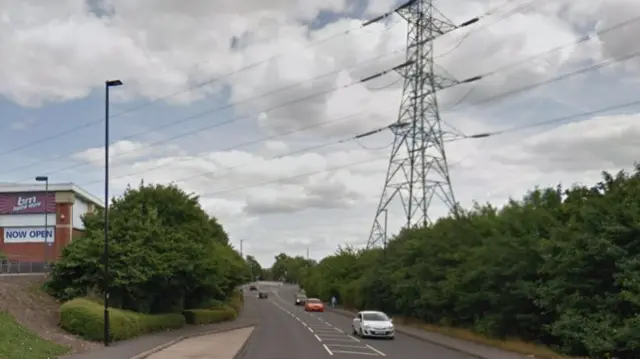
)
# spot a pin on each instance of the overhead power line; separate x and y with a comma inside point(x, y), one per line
point(451, 139)
point(183, 91)
point(484, 101)
point(204, 83)
point(186, 119)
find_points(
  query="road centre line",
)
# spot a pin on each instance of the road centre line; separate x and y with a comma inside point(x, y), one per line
point(326, 332)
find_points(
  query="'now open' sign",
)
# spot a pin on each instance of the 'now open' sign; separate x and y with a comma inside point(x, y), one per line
point(29, 235)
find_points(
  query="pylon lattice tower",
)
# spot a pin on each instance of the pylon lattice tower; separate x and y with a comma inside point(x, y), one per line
point(418, 170)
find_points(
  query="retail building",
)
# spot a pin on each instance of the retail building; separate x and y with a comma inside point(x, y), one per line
point(37, 221)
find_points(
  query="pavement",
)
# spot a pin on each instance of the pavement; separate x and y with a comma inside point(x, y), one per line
point(286, 331)
point(213, 346)
point(134, 347)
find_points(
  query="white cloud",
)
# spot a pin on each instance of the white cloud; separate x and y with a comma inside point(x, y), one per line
point(61, 51)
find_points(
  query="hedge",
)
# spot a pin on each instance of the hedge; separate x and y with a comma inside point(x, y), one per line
point(218, 313)
point(209, 316)
point(86, 318)
point(237, 301)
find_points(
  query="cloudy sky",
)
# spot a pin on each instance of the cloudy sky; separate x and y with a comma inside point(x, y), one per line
point(246, 103)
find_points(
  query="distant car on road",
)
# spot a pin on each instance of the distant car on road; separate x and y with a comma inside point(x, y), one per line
point(313, 305)
point(263, 295)
point(300, 299)
point(373, 324)
point(253, 287)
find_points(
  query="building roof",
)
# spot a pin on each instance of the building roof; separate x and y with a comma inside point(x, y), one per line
point(53, 187)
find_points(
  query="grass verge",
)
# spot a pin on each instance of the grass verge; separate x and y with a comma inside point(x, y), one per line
point(512, 345)
point(16, 342)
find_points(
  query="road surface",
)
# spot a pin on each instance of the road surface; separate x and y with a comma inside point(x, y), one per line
point(287, 332)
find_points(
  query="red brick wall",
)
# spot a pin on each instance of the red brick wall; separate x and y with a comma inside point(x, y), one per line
point(37, 251)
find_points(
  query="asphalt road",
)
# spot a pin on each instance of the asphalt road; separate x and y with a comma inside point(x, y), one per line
point(279, 335)
point(287, 332)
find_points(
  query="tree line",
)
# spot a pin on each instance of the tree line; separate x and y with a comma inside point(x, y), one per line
point(559, 267)
point(166, 254)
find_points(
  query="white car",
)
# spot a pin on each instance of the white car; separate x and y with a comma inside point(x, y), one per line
point(370, 323)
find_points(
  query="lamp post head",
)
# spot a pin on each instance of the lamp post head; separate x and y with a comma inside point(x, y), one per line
point(42, 178)
point(113, 83)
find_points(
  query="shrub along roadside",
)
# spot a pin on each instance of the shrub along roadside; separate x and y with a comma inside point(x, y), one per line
point(218, 314)
point(209, 316)
point(86, 318)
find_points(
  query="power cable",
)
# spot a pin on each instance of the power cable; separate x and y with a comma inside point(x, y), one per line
point(523, 7)
point(453, 139)
point(290, 153)
point(490, 99)
point(188, 89)
point(577, 41)
point(212, 80)
point(236, 119)
point(486, 74)
point(548, 81)
point(221, 108)
point(555, 120)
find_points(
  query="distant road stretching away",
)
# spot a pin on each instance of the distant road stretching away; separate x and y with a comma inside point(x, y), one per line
point(287, 332)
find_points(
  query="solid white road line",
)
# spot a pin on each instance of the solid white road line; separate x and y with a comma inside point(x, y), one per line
point(311, 330)
point(338, 340)
point(354, 338)
point(327, 349)
point(352, 352)
point(376, 350)
point(317, 337)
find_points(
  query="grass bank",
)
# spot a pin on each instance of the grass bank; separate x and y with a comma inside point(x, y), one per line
point(17, 342)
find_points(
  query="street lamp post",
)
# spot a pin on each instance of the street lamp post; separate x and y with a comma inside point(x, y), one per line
point(108, 85)
point(45, 179)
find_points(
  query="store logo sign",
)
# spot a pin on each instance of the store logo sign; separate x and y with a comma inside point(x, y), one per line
point(24, 203)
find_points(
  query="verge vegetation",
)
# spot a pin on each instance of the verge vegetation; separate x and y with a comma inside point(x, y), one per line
point(17, 341)
point(558, 269)
point(169, 264)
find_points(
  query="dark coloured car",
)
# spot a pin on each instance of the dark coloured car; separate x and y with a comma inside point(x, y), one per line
point(263, 295)
point(253, 287)
point(301, 299)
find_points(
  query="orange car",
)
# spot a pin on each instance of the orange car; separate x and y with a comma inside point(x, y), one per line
point(313, 305)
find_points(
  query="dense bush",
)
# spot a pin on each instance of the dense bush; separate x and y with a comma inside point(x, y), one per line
point(166, 254)
point(86, 319)
point(237, 302)
point(208, 316)
point(560, 267)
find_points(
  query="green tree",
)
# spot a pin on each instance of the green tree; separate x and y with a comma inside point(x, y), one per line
point(290, 269)
point(254, 267)
point(560, 266)
point(165, 254)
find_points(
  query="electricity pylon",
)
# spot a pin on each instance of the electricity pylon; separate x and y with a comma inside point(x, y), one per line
point(418, 170)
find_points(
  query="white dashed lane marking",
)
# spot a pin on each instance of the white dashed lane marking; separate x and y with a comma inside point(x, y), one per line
point(333, 339)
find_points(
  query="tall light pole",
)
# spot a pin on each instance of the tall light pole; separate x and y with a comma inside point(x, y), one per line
point(45, 179)
point(241, 252)
point(107, 86)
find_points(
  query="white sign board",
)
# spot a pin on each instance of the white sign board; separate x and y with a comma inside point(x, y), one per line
point(29, 235)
